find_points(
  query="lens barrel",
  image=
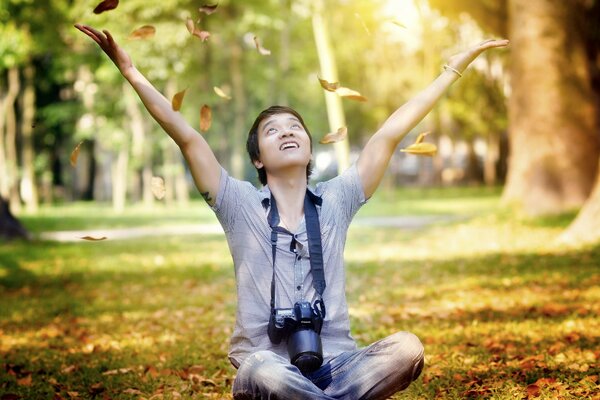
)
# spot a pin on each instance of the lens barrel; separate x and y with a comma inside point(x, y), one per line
point(305, 350)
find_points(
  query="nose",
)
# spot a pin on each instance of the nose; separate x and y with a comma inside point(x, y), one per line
point(286, 133)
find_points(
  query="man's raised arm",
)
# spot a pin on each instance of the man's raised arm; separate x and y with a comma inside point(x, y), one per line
point(376, 155)
point(202, 162)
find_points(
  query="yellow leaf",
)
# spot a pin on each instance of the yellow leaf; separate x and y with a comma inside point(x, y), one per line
point(221, 93)
point(26, 381)
point(261, 49)
point(178, 100)
point(75, 154)
point(349, 93)
point(329, 86)
point(421, 149)
point(157, 185)
point(334, 137)
point(205, 118)
point(144, 32)
point(93, 239)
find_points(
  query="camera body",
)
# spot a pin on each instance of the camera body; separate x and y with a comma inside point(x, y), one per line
point(301, 327)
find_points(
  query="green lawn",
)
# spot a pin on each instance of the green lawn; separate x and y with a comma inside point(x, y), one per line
point(503, 310)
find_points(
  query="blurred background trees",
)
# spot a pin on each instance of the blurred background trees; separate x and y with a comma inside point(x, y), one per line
point(526, 117)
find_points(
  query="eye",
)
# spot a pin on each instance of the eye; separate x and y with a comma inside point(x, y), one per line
point(296, 126)
point(271, 131)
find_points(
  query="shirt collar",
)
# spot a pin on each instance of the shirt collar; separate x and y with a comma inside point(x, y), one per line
point(265, 194)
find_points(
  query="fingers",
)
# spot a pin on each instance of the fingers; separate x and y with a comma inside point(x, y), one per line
point(89, 31)
point(110, 39)
point(486, 44)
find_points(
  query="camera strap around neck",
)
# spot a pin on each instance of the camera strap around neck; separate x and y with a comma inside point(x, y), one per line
point(313, 231)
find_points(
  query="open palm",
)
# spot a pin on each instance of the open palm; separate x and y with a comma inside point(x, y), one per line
point(109, 46)
point(462, 60)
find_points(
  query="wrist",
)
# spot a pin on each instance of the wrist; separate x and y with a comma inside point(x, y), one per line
point(452, 70)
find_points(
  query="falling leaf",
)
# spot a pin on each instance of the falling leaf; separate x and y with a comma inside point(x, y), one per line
point(334, 137)
point(208, 9)
point(205, 118)
point(26, 381)
point(357, 15)
point(349, 93)
point(203, 35)
point(157, 185)
point(329, 86)
point(189, 24)
point(261, 49)
point(144, 32)
point(421, 149)
point(221, 93)
point(178, 100)
point(421, 137)
point(75, 154)
point(93, 239)
point(398, 23)
point(106, 5)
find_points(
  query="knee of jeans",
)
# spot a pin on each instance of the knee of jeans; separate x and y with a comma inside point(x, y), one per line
point(259, 366)
point(409, 347)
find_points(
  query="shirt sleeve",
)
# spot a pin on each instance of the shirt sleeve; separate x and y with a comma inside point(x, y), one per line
point(344, 194)
point(228, 200)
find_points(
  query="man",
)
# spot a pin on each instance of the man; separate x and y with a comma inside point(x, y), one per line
point(269, 233)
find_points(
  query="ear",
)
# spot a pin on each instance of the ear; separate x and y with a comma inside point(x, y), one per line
point(258, 164)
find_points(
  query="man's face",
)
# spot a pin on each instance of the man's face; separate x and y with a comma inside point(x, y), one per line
point(282, 143)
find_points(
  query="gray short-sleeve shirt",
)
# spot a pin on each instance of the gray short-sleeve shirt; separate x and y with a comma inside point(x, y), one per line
point(243, 214)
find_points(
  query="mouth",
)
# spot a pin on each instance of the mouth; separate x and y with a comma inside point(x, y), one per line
point(289, 145)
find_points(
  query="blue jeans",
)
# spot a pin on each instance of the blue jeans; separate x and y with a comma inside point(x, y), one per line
point(374, 372)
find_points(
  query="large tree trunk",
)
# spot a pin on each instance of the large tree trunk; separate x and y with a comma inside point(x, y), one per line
point(28, 184)
point(3, 165)
point(12, 172)
point(554, 145)
point(10, 227)
point(240, 106)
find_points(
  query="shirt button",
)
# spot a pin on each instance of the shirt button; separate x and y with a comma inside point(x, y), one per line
point(298, 287)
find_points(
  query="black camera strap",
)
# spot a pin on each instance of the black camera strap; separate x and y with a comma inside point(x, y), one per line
point(315, 248)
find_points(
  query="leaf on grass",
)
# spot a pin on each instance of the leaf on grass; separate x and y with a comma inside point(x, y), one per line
point(73, 394)
point(357, 15)
point(157, 185)
point(205, 118)
point(75, 154)
point(97, 388)
point(25, 381)
point(68, 369)
point(329, 86)
point(421, 149)
point(93, 239)
point(189, 24)
point(203, 35)
point(143, 32)
point(208, 9)
point(178, 100)
point(132, 391)
point(261, 49)
point(533, 391)
point(334, 137)
point(221, 93)
point(350, 94)
point(106, 5)
point(117, 371)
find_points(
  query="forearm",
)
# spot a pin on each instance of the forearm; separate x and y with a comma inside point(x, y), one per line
point(159, 107)
point(397, 126)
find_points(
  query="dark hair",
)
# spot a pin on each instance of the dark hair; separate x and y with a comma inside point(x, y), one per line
point(252, 142)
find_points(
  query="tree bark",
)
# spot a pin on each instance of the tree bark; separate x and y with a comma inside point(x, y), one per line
point(10, 227)
point(240, 110)
point(3, 165)
point(12, 172)
point(554, 145)
point(28, 184)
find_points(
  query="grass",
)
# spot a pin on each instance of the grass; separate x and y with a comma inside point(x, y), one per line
point(503, 311)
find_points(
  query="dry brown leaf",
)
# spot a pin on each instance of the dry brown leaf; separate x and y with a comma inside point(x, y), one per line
point(421, 137)
point(69, 369)
point(118, 371)
point(93, 239)
point(208, 9)
point(75, 154)
point(205, 118)
point(329, 86)
point(334, 137)
point(350, 94)
point(73, 394)
point(106, 5)
point(157, 185)
point(178, 100)
point(203, 35)
point(189, 24)
point(221, 93)
point(533, 391)
point(421, 149)
point(25, 381)
point(261, 49)
point(97, 388)
point(132, 391)
point(143, 32)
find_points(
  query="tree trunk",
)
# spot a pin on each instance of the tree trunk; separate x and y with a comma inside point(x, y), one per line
point(240, 106)
point(28, 184)
point(10, 227)
point(554, 144)
point(586, 226)
point(335, 110)
point(3, 164)
point(119, 170)
point(490, 163)
point(12, 172)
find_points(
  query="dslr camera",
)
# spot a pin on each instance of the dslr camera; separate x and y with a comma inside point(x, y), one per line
point(301, 328)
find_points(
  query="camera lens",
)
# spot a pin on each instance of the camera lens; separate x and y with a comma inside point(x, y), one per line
point(305, 350)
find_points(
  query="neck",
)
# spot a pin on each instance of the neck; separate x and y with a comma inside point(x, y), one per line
point(289, 193)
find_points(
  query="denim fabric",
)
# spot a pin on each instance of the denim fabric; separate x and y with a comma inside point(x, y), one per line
point(374, 372)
